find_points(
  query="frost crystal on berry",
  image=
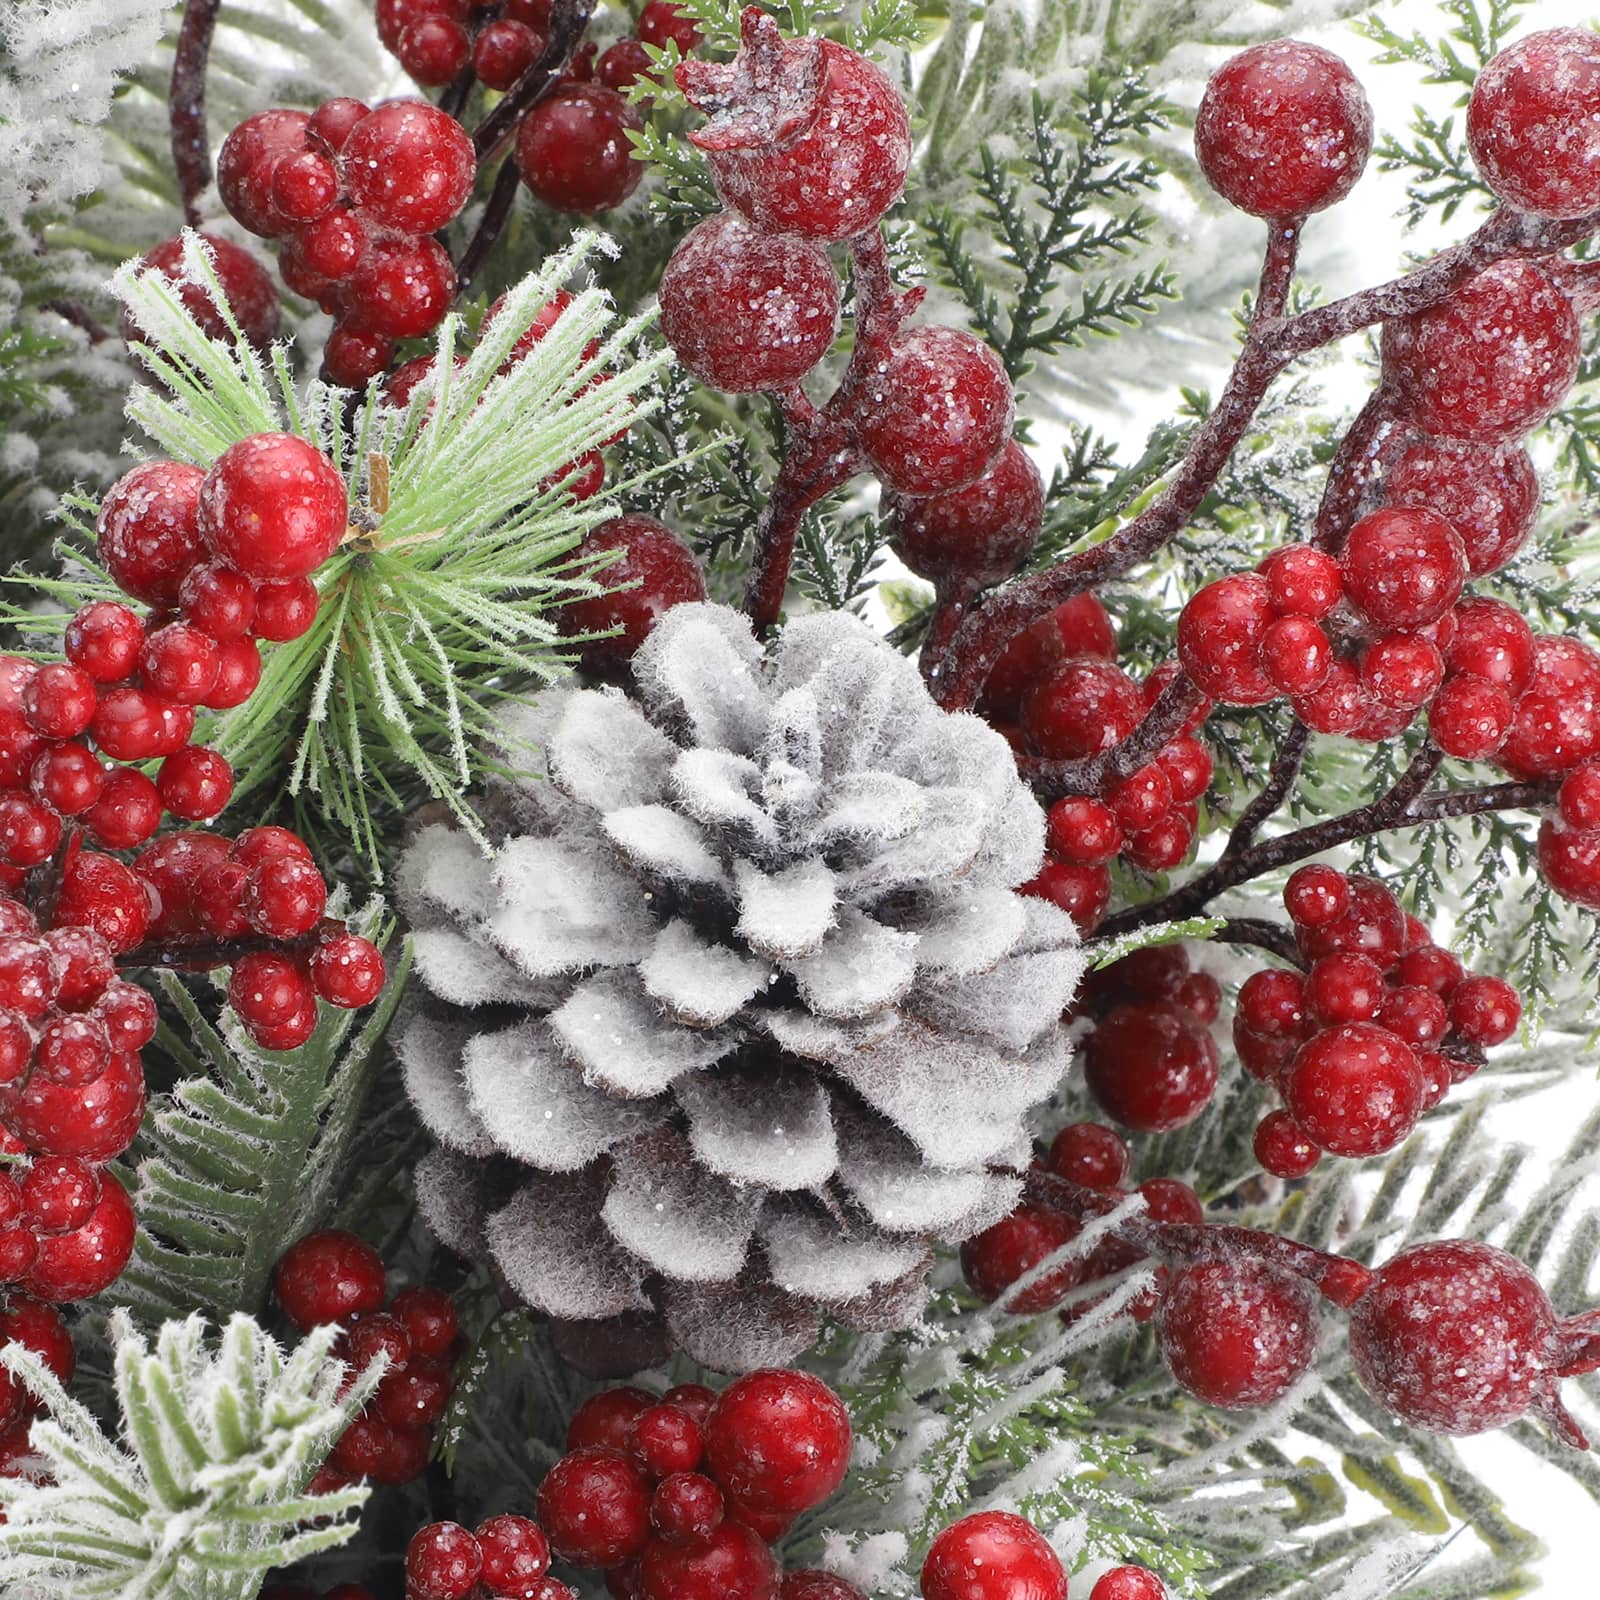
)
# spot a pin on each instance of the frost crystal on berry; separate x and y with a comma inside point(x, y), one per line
point(745, 1005)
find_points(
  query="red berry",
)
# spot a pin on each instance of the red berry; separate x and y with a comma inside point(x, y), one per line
point(1082, 830)
point(305, 186)
point(95, 1120)
point(1282, 1149)
point(1163, 846)
point(811, 1584)
point(1532, 123)
point(332, 122)
point(129, 1015)
point(1372, 924)
point(60, 1193)
point(247, 161)
point(179, 662)
point(1315, 896)
point(1302, 581)
point(1337, 705)
point(1557, 723)
point(1151, 1067)
point(246, 285)
point(1084, 893)
point(434, 50)
point(1469, 718)
point(573, 149)
point(1273, 1004)
point(1139, 802)
point(1453, 1336)
point(348, 971)
point(1283, 129)
point(58, 701)
point(81, 1264)
point(101, 893)
point(403, 288)
point(516, 1555)
point(996, 1258)
point(504, 50)
point(135, 725)
point(255, 846)
point(1356, 1090)
point(104, 640)
point(1488, 493)
point(975, 536)
point(778, 1441)
point(662, 570)
point(992, 1555)
point(686, 1506)
point(1485, 1010)
point(1345, 987)
point(30, 975)
point(934, 411)
point(1080, 708)
point(1091, 1154)
point(605, 1420)
point(332, 247)
point(72, 1051)
point(1128, 1583)
point(238, 673)
point(595, 1508)
point(273, 507)
point(443, 1562)
point(1490, 362)
point(173, 867)
point(1430, 968)
point(665, 1440)
point(805, 136)
point(285, 898)
point(1220, 635)
point(286, 609)
point(40, 1329)
point(662, 23)
point(733, 1564)
point(408, 167)
point(1078, 627)
point(1402, 670)
point(622, 64)
point(1416, 1014)
point(29, 832)
point(88, 966)
point(148, 529)
point(415, 1398)
point(1188, 766)
point(745, 310)
point(16, 1046)
point(1492, 641)
point(1237, 1333)
point(195, 784)
point(270, 992)
point(1403, 567)
point(219, 602)
point(330, 1276)
point(127, 812)
point(1296, 655)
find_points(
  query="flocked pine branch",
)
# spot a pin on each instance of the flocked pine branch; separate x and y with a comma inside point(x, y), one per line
point(203, 1489)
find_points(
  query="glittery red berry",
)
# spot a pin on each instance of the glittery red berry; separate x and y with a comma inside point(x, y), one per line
point(247, 161)
point(687, 1507)
point(734, 1563)
point(778, 1441)
point(1356, 1090)
point(272, 506)
point(1220, 633)
point(595, 1508)
point(1489, 493)
point(330, 1276)
point(992, 1555)
point(1151, 1067)
point(1128, 1583)
point(573, 149)
point(148, 530)
point(516, 1555)
point(246, 285)
point(659, 569)
point(1091, 1154)
point(81, 1264)
point(443, 1562)
point(409, 167)
point(995, 1259)
point(1403, 567)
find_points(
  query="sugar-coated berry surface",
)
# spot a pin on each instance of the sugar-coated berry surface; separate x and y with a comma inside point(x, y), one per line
point(1490, 362)
point(1080, 707)
point(403, 288)
point(1237, 1333)
point(778, 1441)
point(933, 411)
point(408, 166)
point(443, 1562)
point(1283, 128)
point(1403, 567)
point(992, 1555)
point(1557, 722)
point(659, 570)
point(1091, 1154)
point(1489, 493)
point(1220, 633)
point(1533, 123)
point(329, 1276)
point(247, 161)
point(86, 1261)
point(573, 149)
point(1453, 1336)
point(1083, 892)
point(806, 136)
point(747, 310)
point(1151, 1067)
point(272, 506)
point(149, 532)
point(515, 1554)
point(1356, 1090)
point(809, 1584)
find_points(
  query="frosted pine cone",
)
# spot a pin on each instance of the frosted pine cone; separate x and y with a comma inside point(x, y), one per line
point(744, 1006)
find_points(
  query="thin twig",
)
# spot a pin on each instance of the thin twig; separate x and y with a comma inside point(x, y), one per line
point(568, 20)
point(496, 210)
point(186, 104)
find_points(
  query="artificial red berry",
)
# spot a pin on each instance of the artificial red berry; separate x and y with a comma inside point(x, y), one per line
point(305, 186)
point(96, 1120)
point(665, 1440)
point(403, 288)
point(992, 1555)
point(246, 164)
point(246, 286)
point(1151, 1067)
point(443, 1562)
point(104, 639)
point(1469, 718)
point(415, 1397)
point(1416, 1014)
point(504, 50)
point(256, 846)
point(1163, 846)
point(934, 411)
point(1080, 708)
point(72, 1050)
point(1082, 830)
point(29, 831)
point(348, 971)
point(1128, 1583)
point(1403, 567)
point(1302, 581)
point(1220, 635)
point(179, 662)
point(434, 50)
point(127, 811)
point(1283, 129)
point(81, 1264)
point(622, 64)
point(1492, 641)
point(129, 1015)
point(809, 1583)
point(778, 1441)
point(408, 167)
point(573, 149)
point(101, 893)
point(662, 23)
point(1485, 1010)
point(88, 966)
point(662, 570)
point(595, 1508)
point(1372, 924)
point(1282, 1149)
point(286, 609)
point(58, 701)
point(686, 1506)
point(16, 1047)
point(605, 1420)
point(1337, 705)
point(135, 725)
point(1488, 493)
point(1557, 721)
point(1356, 1090)
point(1315, 896)
point(332, 246)
point(805, 135)
point(1010, 1249)
point(1091, 1154)
point(1083, 892)
point(148, 530)
point(59, 1193)
point(285, 898)
point(733, 1563)
point(1139, 802)
point(218, 602)
point(1188, 766)
point(1078, 627)
point(1578, 799)
point(1402, 670)
point(1273, 1004)
point(329, 1276)
point(173, 867)
point(1453, 1336)
point(516, 1555)
point(30, 975)
point(1531, 123)
point(331, 123)
point(238, 673)
point(1296, 655)
point(1345, 987)
point(272, 506)
point(1491, 361)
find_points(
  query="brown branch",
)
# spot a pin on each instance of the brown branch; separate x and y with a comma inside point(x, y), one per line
point(568, 20)
point(1353, 466)
point(1282, 777)
point(186, 104)
point(496, 211)
point(81, 317)
point(1262, 935)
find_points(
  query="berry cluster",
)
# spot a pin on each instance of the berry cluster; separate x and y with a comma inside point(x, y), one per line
point(356, 195)
point(673, 1497)
point(334, 1277)
point(437, 40)
point(1373, 1033)
point(41, 1330)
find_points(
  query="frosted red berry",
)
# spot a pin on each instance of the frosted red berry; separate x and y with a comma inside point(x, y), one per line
point(1283, 129)
point(272, 506)
point(148, 530)
point(1403, 567)
point(1489, 493)
point(246, 286)
point(1316, 895)
point(1344, 987)
point(246, 164)
point(662, 23)
point(195, 784)
point(348, 971)
point(573, 149)
point(686, 1506)
point(1356, 1090)
point(29, 831)
point(104, 638)
point(1490, 362)
point(434, 50)
point(59, 1193)
point(58, 701)
point(516, 1555)
point(72, 1051)
point(1128, 1583)
point(934, 411)
point(1533, 123)
point(86, 1261)
point(992, 1555)
point(595, 1508)
point(661, 572)
point(403, 288)
point(1151, 1067)
point(408, 166)
point(1485, 1010)
point(1082, 830)
point(88, 965)
point(100, 893)
point(665, 1440)
point(443, 1562)
point(734, 1563)
point(1220, 634)
point(1469, 718)
point(1372, 924)
point(1281, 1147)
point(1091, 1154)
point(745, 310)
point(127, 812)
point(1083, 892)
point(605, 1420)
point(1295, 655)
point(504, 50)
point(810, 1584)
point(1079, 708)
point(330, 1276)
point(331, 123)
point(778, 1441)
point(1402, 670)
point(995, 1259)
point(1557, 722)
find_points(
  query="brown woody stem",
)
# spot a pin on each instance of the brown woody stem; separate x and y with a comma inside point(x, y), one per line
point(186, 104)
point(568, 20)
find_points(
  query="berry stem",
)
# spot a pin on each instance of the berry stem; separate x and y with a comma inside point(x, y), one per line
point(568, 21)
point(1352, 467)
point(1281, 778)
point(186, 115)
point(496, 212)
point(201, 955)
point(1262, 935)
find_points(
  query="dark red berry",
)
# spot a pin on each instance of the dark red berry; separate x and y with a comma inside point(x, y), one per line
point(273, 507)
point(734, 1564)
point(59, 1193)
point(1128, 1583)
point(1356, 1090)
point(992, 1555)
point(332, 122)
point(88, 1260)
point(353, 357)
point(29, 831)
point(605, 1420)
point(100, 893)
point(1488, 493)
point(434, 50)
point(504, 50)
point(1080, 708)
point(271, 993)
point(1188, 766)
point(1337, 705)
point(127, 812)
point(72, 1051)
point(135, 725)
point(595, 1508)
point(305, 186)
point(1220, 635)
point(1091, 1154)
point(1163, 846)
point(104, 640)
point(1282, 1149)
point(686, 1506)
point(88, 965)
point(330, 1276)
point(148, 530)
point(1083, 892)
point(246, 285)
point(332, 246)
point(1485, 1010)
point(429, 1316)
point(348, 971)
point(1470, 718)
point(247, 161)
point(1402, 670)
point(179, 662)
point(415, 1397)
point(516, 1555)
point(662, 573)
point(403, 288)
point(41, 1330)
point(1371, 924)
point(1492, 641)
point(622, 64)
point(996, 1258)
point(443, 1562)
point(1533, 123)
point(1082, 830)
point(408, 167)
point(1139, 802)
point(1403, 567)
point(1273, 1003)
point(1151, 1067)
point(1283, 129)
point(573, 149)
point(665, 1440)
point(662, 23)
point(778, 1441)
point(173, 867)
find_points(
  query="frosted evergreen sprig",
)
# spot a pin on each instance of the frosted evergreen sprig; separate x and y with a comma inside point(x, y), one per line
point(204, 1489)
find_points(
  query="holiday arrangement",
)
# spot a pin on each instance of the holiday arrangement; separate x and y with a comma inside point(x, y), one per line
point(661, 933)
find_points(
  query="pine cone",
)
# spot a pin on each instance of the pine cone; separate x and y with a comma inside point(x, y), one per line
point(744, 1006)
